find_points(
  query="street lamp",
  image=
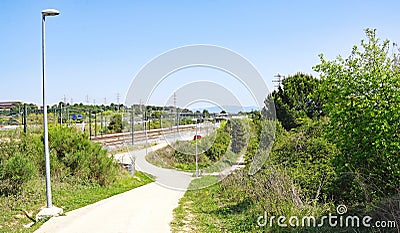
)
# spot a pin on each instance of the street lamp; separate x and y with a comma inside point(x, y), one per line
point(145, 120)
point(197, 151)
point(50, 210)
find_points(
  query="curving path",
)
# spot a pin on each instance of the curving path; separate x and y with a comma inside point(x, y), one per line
point(145, 209)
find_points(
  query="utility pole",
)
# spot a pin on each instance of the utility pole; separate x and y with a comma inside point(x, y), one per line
point(68, 120)
point(90, 124)
point(24, 119)
point(101, 123)
point(278, 80)
point(61, 121)
point(87, 99)
point(133, 125)
point(95, 124)
point(177, 114)
point(118, 100)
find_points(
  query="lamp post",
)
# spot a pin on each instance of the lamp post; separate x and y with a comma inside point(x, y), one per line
point(145, 117)
point(197, 151)
point(51, 211)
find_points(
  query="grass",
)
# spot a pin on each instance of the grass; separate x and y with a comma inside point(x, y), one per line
point(204, 210)
point(193, 212)
point(67, 195)
point(212, 210)
point(226, 161)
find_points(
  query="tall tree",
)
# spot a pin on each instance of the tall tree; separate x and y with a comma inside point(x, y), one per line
point(297, 97)
point(238, 135)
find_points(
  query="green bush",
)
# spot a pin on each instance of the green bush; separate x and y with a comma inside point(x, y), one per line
point(19, 161)
point(363, 108)
point(76, 155)
point(15, 171)
point(220, 145)
point(73, 157)
point(306, 157)
point(116, 125)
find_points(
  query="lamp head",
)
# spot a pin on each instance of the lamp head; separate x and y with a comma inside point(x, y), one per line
point(50, 12)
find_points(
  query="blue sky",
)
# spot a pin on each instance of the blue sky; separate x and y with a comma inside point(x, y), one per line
point(95, 47)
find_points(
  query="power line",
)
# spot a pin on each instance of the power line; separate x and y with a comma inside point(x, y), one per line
point(118, 100)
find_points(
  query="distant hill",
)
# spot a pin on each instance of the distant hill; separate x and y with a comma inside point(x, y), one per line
point(227, 108)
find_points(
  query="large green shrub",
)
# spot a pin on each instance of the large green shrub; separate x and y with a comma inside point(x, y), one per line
point(220, 145)
point(75, 155)
point(19, 161)
point(14, 172)
point(116, 125)
point(305, 156)
point(363, 105)
point(239, 135)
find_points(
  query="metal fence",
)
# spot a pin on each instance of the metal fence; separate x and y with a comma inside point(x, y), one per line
point(94, 121)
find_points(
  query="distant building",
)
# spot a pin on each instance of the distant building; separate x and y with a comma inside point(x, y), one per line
point(9, 105)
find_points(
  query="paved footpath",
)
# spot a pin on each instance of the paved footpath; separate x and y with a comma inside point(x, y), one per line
point(145, 209)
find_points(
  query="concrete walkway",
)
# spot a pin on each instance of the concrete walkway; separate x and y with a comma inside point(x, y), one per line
point(144, 209)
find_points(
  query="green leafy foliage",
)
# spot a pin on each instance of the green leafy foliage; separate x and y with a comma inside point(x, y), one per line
point(19, 162)
point(14, 172)
point(75, 155)
point(298, 97)
point(305, 156)
point(239, 135)
point(220, 145)
point(363, 102)
point(72, 157)
point(116, 123)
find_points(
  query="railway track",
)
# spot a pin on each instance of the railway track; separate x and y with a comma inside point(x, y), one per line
point(119, 139)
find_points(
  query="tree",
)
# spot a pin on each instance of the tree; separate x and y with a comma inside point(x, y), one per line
point(298, 97)
point(238, 135)
point(115, 123)
point(156, 114)
point(363, 104)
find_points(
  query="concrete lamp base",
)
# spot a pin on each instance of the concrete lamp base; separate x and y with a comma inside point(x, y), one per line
point(48, 213)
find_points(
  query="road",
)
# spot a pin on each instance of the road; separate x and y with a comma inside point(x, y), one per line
point(145, 209)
